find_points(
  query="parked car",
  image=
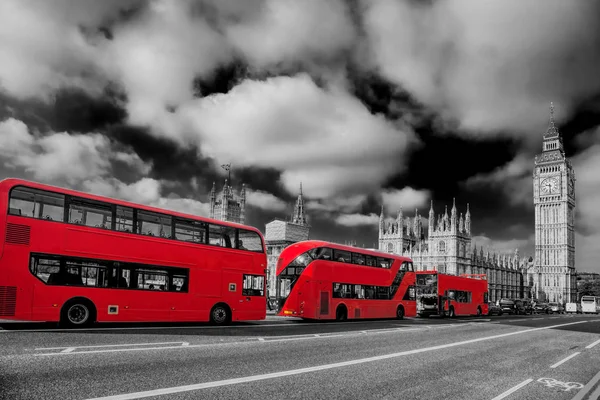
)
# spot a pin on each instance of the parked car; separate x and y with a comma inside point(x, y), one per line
point(494, 309)
point(571, 308)
point(523, 307)
point(541, 308)
point(507, 306)
point(556, 308)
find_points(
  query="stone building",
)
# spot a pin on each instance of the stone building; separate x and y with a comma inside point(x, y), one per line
point(279, 234)
point(446, 246)
point(553, 273)
point(226, 205)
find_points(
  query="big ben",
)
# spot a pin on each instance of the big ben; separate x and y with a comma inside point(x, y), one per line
point(554, 201)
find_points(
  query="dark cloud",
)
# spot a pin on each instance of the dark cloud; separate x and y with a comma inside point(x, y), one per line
point(221, 80)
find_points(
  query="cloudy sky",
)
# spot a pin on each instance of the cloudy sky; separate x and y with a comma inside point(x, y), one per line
point(364, 102)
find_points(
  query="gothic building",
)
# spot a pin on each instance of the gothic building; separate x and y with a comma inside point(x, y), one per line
point(279, 234)
point(226, 205)
point(447, 247)
point(553, 273)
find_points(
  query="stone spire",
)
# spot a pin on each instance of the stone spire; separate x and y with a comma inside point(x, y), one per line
point(453, 217)
point(299, 216)
point(381, 220)
point(431, 220)
point(243, 203)
point(468, 221)
point(213, 200)
point(461, 224)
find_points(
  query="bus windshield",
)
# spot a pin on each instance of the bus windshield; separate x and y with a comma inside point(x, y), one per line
point(289, 276)
point(427, 285)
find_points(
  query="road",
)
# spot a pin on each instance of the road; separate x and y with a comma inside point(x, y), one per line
point(509, 357)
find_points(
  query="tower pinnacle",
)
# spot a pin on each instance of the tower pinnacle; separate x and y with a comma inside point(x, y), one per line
point(299, 216)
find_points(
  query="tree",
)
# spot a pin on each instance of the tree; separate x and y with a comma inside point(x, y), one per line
point(589, 288)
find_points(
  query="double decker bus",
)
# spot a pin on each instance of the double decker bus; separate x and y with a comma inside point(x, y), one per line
point(322, 280)
point(442, 294)
point(590, 304)
point(77, 258)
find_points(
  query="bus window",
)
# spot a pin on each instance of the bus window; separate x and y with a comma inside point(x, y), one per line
point(219, 235)
point(371, 261)
point(249, 240)
point(154, 279)
point(342, 256)
point(88, 213)
point(321, 253)
point(34, 203)
point(124, 221)
point(358, 258)
point(383, 262)
point(190, 231)
point(153, 224)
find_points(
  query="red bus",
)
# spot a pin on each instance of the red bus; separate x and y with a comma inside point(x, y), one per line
point(77, 258)
point(322, 280)
point(441, 294)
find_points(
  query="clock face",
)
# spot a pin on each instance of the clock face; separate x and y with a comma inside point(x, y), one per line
point(549, 185)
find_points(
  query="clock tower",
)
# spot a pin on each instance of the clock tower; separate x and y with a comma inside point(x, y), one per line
point(554, 201)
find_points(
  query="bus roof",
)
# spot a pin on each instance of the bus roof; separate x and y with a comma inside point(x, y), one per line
point(9, 183)
point(306, 245)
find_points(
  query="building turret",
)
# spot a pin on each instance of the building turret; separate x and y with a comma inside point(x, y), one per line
point(453, 217)
point(431, 220)
point(399, 221)
point(243, 202)
point(381, 221)
point(213, 200)
point(446, 224)
point(461, 224)
point(468, 221)
point(299, 216)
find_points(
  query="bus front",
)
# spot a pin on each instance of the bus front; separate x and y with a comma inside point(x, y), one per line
point(427, 293)
point(291, 266)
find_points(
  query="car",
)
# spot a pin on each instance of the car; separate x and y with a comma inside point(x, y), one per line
point(541, 308)
point(556, 308)
point(507, 306)
point(523, 306)
point(494, 309)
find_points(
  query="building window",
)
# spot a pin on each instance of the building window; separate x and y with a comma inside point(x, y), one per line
point(442, 247)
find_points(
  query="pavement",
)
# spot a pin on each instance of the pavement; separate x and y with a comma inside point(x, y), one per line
point(508, 357)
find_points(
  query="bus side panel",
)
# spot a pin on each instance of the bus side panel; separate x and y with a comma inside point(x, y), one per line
point(3, 210)
point(15, 299)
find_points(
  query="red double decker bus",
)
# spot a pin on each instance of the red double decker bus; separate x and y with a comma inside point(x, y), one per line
point(441, 294)
point(78, 258)
point(322, 280)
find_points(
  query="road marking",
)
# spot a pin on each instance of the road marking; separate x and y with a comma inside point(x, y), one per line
point(589, 346)
point(553, 383)
point(564, 360)
point(67, 350)
point(589, 387)
point(109, 345)
point(254, 378)
point(535, 319)
point(512, 390)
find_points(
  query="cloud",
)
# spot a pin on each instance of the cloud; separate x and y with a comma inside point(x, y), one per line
point(264, 200)
point(291, 124)
point(514, 179)
point(357, 219)
point(406, 199)
point(587, 212)
point(525, 246)
point(42, 45)
point(490, 65)
point(290, 31)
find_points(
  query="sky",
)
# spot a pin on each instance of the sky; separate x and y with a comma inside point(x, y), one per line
point(366, 102)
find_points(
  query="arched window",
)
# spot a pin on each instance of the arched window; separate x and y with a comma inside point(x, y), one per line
point(390, 247)
point(442, 247)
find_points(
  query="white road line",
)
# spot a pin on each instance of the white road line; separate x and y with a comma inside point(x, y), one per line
point(253, 378)
point(108, 345)
point(535, 319)
point(512, 390)
point(584, 390)
point(67, 350)
point(564, 360)
point(589, 346)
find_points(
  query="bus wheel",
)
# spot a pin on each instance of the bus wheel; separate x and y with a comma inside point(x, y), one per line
point(341, 313)
point(400, 312)
point(478, 311)
point(220, 314)
point(451, 312)
point(78, 312)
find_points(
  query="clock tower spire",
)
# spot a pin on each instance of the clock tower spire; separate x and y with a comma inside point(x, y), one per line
point(554, 201)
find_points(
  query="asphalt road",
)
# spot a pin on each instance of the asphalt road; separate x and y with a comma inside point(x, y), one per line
point(508, 357)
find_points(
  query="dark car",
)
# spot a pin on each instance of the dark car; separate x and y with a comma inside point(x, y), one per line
point(541, 308)
point(507, 306)
point(523, 307)
point(494, 309)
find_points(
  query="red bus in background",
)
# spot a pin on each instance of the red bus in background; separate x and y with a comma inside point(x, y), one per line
point(441, 294)
point(78, 258)
point(322, 280)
